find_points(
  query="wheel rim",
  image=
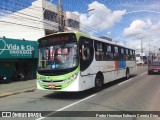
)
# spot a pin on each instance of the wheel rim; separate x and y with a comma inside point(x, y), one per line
point(98, 82)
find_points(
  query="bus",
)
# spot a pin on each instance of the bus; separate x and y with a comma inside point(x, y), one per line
point(74, 61)
point(141, 58)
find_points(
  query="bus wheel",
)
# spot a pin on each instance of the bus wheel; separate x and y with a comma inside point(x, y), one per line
point(127, 74)
point(149, 73)
point(98, 83)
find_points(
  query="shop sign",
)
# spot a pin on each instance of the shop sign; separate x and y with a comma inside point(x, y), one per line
point(11, 48)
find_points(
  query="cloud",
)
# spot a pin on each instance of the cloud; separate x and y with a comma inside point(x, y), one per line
point(149, 33)
point(155, 30)
point(101, 18)
point(137, 27)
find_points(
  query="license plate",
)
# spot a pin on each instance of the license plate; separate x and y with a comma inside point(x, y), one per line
point(51, 86)
point(155, 70)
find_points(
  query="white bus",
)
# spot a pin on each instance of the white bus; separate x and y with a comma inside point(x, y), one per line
point(141, 58)
point(74, 61)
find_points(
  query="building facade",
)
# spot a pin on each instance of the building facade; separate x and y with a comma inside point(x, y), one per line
point(36, 21)
point(18, 57)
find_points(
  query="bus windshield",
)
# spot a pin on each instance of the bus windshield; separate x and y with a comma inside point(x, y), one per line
point(58, 56)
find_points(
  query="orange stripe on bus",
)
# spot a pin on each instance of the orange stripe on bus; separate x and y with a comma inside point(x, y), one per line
point(116, 65)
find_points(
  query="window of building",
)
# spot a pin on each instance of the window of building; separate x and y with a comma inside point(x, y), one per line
point(51, 16)
point(73, 23)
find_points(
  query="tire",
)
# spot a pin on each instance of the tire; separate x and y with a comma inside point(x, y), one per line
point(98, 84)
point(149, 72)
point(127, 74)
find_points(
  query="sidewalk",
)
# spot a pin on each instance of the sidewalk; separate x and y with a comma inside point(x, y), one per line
point(17, 87)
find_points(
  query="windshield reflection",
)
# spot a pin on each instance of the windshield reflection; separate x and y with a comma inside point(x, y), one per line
point(58, 56)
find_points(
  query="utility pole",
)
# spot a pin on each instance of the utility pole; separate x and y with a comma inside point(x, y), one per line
point(61, 19)
point(142, 49)
point(142, 52)
point(149, 58)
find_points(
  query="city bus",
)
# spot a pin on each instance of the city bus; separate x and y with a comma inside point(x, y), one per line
point(141, 58)
point(74, 61)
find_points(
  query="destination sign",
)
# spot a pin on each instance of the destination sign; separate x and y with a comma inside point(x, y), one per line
point(57, 38)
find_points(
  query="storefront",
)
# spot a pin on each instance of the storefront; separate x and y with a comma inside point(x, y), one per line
point(18, 57)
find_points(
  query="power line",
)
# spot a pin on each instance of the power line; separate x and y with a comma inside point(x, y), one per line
point(20, 24)
point(27, 18)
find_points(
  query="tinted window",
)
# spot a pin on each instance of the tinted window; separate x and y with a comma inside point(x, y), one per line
point(51, 16)
point(99, 50)
point(127, 54)
point(133, 54)
point(86, 52)
point(116, 53)
point(108, 52)
point(122, 54)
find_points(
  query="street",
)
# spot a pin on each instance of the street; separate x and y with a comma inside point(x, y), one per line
point(140, 93)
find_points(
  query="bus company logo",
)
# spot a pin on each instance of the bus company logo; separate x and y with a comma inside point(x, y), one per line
point(2, 46)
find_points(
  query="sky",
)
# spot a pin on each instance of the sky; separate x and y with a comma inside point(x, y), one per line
point(125, 21)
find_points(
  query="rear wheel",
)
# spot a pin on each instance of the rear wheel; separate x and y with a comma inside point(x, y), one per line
point(98, 83)
point(127, 74)
point(149, 72)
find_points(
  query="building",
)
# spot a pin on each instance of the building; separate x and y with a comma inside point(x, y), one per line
point(18, 57)
point(36, 21)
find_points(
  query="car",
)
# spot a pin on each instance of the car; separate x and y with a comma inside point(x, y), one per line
point(3, 78)
point(154, 67)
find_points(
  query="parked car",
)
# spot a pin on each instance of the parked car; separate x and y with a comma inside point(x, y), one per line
point(3, 78)
point(154, 67)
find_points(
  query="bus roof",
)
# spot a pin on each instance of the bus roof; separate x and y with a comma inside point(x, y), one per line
point(88, 36)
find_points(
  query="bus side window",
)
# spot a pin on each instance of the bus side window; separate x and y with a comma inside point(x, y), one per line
point(133, 55)
point(86, 52)
point(127, 54)
point(122, 55)
point(99, 48)
point(116, 53)
point(109, 52)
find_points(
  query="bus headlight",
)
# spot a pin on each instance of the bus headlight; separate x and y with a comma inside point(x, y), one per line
point(40, 80)
point(70, 79)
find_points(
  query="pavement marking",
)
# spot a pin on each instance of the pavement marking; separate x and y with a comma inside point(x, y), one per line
point(65, 107)
point(131, 78)
point(125, 81)
point(143, 73)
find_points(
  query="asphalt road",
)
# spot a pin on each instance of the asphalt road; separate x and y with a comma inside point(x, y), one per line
point(140, 93)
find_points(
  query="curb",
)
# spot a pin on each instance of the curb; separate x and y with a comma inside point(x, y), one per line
point(6, 94)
